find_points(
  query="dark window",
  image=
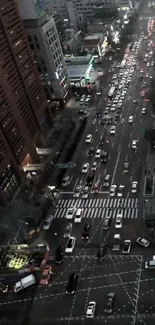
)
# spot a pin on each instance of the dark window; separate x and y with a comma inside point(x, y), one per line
point(31, 46)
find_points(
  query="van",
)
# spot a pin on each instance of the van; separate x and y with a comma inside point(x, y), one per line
point(78, 216)
point(24, 283)
point(150, 265)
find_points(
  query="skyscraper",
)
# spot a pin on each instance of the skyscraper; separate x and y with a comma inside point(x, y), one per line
point(44, 41)
point(24, 113)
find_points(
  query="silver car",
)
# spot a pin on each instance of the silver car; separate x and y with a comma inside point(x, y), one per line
point(68, 230)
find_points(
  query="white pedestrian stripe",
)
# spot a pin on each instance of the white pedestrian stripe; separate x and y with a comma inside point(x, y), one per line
point(100, 208)
point(99, 203)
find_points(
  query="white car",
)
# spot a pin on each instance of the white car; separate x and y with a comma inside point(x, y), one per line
point(77, 191)
point(113, 130)
point(143, 111)
point(94, 166)
point(85, 192)
point(142, 242)
point(134, 187)
point(130, 120)
point(70, 213)
point(148, 64)
point(134, 144)
point(85, 168)
point(118, 223)
point(89, 138)
point(113, 108)
point(91, 309)
point(113, 190)
point(120, 191)
point(98, 154)
point(147, 75)
point(70, 245)
point(78, 216)
point(47, 222)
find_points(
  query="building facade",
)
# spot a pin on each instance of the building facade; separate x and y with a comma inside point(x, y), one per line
point(24, 112)
point(48, 55)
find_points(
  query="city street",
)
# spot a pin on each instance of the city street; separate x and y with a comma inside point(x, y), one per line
point(123, 274)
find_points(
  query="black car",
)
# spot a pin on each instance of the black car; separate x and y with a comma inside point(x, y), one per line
point(109, 121)
point(103, 120)
point(98, 113)
point(72, 283)
point(126, 167)
point(90, 179)
point(109, 303)
point(91, 152)
point(119, 110)
point(59, 255)
point(135, 102)
point(3, 288)
point(117, 117)
point(104, 157)
point(106, 223)
point(101, 252)
point(141, 77)
point(86, 231)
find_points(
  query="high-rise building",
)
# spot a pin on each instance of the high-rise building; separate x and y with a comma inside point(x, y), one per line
point(24, 112)
point(45, 44)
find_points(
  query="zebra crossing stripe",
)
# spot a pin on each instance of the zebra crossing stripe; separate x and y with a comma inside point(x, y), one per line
point(92, 213)
point(100, 203)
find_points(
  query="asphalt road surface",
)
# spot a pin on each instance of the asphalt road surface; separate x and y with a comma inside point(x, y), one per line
point(125, 275)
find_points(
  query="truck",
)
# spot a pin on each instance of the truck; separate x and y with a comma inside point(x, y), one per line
point(24, 283)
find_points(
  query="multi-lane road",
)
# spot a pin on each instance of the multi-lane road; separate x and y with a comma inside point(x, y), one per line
point(125, 275)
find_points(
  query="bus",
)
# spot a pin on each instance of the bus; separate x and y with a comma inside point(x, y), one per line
point(111, 92)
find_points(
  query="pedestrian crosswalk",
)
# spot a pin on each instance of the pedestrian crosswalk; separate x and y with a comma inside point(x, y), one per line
point(99, 203)
point(99, 208)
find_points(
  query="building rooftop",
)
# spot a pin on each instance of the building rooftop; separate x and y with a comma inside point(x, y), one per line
point(77, 71)
point(93, 36)
point(78, 59)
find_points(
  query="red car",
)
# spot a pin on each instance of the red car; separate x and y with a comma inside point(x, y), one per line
point(46, 275)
